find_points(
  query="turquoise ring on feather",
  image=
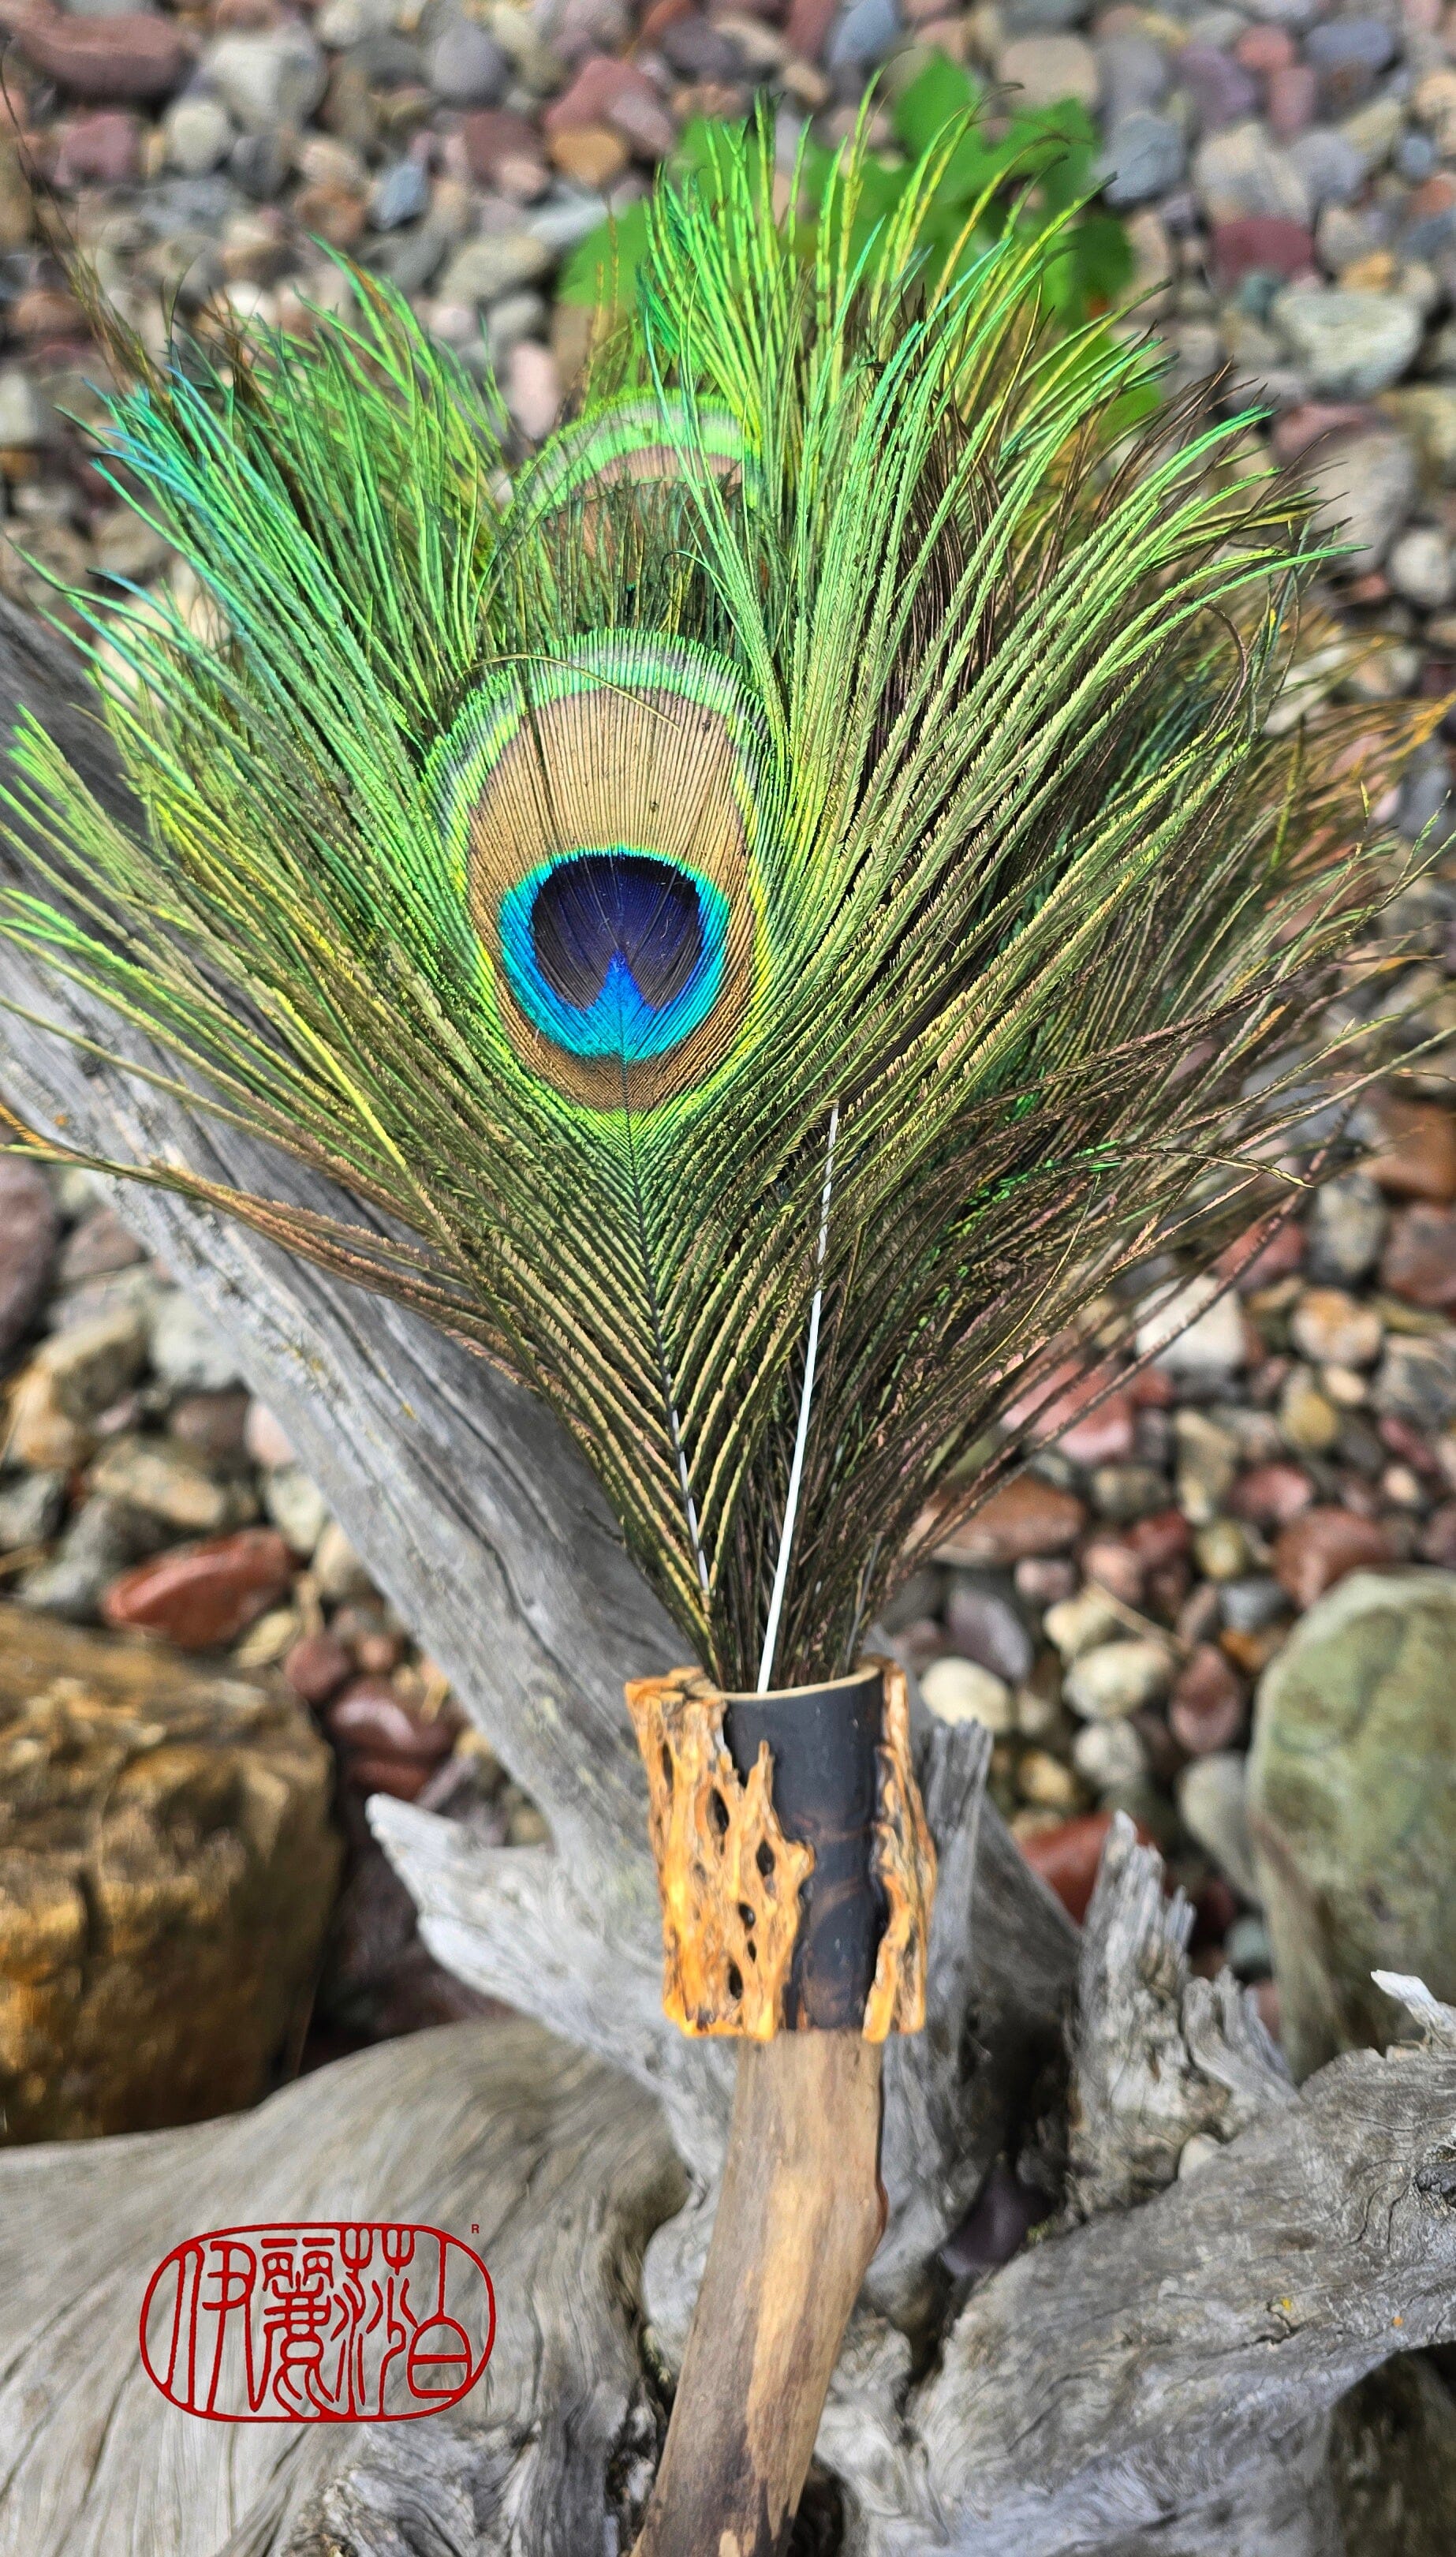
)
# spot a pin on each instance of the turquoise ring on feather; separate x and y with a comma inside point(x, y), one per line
point(603, 813)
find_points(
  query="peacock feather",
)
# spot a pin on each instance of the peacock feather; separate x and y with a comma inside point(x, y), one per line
point(771, 903)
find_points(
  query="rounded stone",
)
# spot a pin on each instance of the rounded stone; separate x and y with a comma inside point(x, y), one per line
point(1331, 1328)
point(1353, 1807)
point(957, 1691)
point(1116, 1677)
point(1349, 345)
point(466, 67)
point(1419, 568)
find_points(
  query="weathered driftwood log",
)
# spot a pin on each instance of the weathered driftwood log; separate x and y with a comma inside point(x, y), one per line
point(1156, 2380)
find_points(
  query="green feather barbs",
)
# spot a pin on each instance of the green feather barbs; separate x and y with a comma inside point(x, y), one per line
point(603, 817)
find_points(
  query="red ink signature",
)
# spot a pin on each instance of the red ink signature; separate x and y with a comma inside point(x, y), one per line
point(318, 2321)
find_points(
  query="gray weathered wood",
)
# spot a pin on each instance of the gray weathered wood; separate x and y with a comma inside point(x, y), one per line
point(563, 2164)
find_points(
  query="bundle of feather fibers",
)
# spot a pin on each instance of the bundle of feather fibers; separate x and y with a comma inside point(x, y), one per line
point(771, 902)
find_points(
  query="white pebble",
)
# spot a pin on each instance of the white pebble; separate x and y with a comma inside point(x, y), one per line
point(963, 1691)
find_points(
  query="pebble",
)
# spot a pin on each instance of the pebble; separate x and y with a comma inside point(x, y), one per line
point(267, 79)
point(1208, 1705)
point(1419, 1259)
point(481, 270)
point(94, 1249)
point(1347, 1228)
point(101, 1539)
point(1047, 68)
point(29, 1234)
point(1416, 1381)
point(1026, 1516)
point(171, 1483)
point(1308, 1418)
point(1077, 1624)
point(338, 1571)
point(1207, 1460)
point(1318, 1549)
point(1419, 568)
point(31, 1508)
point(1047, 1781)
point(265, 1440)
point(1263, 244)
point(864, 34)
point(1195, 1333)
point(1213, 1807)
point(1107, 1755)
point(532, 388)
point(1330, 1326)
point(1348, 344)
point(131, 55)
point(466, 67)
point(296, 1505)
point(400, 194)
point(1415, 1144)
point(1241, 170)
point(1272, 1494)
point(985, 1626)
point(368, 1716)
point(212, 1422)
point(1222, 1549)
point(188, 1351)
point(1364, 486)
point(1117, 1678)
point(960, 1691)
point(204, 1596)
point(1066, 1858)
point(317, 1666)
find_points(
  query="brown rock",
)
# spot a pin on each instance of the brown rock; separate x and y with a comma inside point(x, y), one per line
point(99, 151)
point(808, 24)
point(317, 1667)
point(213, 1423)
point(171, 1482)
point(1066, 1858)
point(201, 1596)
point(1160, 1538)
point(1263, 243)
point(492, 135)
point(370, 1719)
point(1271, 1494)
point(1116, 1565)
point(1024, 1516)
point(589, 155)
point(1420, 1263)
point(134, 56)
point(167, 1870)
point(405, 1778)
point(29, 1234)
point(1317, 1548)
point(608, 92)
point(1208, 1704)
point(1415, 1148)
point(332, 213)
point(1260, 1263)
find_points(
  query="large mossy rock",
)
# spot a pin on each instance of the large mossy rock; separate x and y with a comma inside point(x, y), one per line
point(1351, 1805)
point(166, 1869)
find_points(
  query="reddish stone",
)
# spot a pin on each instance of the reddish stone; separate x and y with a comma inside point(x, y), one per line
point(662, 15)
point(1408, 1444)
point(1438, 1536)
point(1252, 1265)
point(1290, 100)
point(1066, 1858)
point(1415, 1148)
point(405, 1778)
point(1024, 1516)
point(201, 1596)
point(212, 1422)
point(1302, 427)
point(1152, 1388)
point(1435, 195)
point(1318, 1549)
point(133, 56)
point(492, 134)
point(378, 1652)
point(1043, 1578)
point(1164, 1537)
point(1271, 1494)
point(368, 1716)
point(1258, 244)
point(607, 92)
point(1056, 1408)
point(1216, 1906)
point(1116, 1565)
point(1419, 1261)
point(98, 151)
point(1264, 49)
point(1167, 1585)
point(1207, 1708)
point(316, 1668)
point(809, 22)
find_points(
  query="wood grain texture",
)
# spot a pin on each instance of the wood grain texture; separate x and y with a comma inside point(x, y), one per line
point(798, 2218)
point(562, 2165)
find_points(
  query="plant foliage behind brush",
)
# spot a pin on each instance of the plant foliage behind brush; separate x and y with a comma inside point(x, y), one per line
point(767, 902)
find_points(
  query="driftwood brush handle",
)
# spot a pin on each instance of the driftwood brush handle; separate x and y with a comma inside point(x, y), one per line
point(800, 2216)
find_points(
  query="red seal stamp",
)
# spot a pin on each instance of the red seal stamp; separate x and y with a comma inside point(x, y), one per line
point(318, 2321)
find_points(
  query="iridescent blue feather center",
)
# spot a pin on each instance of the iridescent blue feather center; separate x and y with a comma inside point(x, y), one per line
point(615, 952)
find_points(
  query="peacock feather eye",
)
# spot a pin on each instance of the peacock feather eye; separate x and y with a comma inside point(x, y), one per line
point(602, 813)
